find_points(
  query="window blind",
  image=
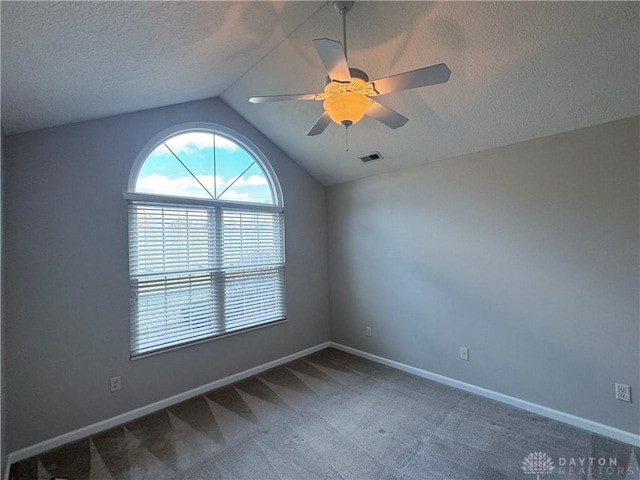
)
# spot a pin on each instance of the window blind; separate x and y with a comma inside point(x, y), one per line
point(198, 272)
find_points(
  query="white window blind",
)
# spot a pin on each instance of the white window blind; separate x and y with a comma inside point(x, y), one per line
point(198, 272)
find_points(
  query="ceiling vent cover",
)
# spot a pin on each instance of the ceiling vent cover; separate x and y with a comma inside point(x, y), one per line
point(373, 156)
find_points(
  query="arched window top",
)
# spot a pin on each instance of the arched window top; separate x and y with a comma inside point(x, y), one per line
point(206, 162)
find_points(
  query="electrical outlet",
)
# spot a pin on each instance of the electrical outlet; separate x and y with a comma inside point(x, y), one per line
point(368, 331)
point(464, 353)
point(115, 383)
point(623, 392)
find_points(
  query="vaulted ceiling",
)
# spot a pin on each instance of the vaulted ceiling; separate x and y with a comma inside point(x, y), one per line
point(520, 70)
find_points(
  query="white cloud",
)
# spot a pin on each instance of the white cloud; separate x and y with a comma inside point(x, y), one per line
point(232, 194)
point(187, 142)
point(189, 187)
point(251, 181)
point(181, 186)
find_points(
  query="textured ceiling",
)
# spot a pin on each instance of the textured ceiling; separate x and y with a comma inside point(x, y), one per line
point(68, 61)
point(520, 70)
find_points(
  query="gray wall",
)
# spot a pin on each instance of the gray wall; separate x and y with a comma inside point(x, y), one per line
point(67, 275)
point(3, 403)
point(527, 254)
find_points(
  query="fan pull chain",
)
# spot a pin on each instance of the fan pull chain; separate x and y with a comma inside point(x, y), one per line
point(346, 138)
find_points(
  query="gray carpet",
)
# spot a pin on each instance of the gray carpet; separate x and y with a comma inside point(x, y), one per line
point(332, 415)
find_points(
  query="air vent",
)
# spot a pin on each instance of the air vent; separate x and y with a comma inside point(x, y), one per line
point(373, 156)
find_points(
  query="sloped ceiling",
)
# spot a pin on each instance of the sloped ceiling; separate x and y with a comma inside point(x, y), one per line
point(520, 70)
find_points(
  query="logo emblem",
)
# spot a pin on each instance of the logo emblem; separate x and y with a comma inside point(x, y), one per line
point(537, 463)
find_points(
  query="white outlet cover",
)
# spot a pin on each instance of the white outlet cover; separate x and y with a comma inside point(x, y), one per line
point(115, 384)
point(623, 392)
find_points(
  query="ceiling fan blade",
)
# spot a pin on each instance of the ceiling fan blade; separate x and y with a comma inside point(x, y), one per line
point(390, 118)
point(279, 98)
point(421, 77)
point(332, 55)
point(320, 126)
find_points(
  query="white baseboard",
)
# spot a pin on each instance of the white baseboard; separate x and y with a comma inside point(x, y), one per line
point(580, 422)
point(589, 425)
point(92, 429)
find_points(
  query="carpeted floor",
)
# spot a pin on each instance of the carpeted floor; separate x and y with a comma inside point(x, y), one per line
point(332, 415)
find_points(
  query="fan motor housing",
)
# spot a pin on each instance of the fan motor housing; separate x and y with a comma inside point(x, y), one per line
point(355, 73)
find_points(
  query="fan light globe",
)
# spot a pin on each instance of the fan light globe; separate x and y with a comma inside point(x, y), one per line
point(347, 108)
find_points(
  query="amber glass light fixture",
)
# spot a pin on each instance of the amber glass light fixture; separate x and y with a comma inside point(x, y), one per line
point(347, 108)
point(347, 102)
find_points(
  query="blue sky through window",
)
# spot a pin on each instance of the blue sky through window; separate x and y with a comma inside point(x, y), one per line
point(186, 165)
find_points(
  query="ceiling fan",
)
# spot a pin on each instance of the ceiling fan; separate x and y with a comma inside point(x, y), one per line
point(348, 92)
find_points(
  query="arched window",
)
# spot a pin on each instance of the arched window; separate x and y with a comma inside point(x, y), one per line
point(206, 239)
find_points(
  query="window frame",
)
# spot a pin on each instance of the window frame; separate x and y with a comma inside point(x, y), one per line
point(276, 207)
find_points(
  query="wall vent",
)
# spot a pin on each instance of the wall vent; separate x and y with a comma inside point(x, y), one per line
point(373, 156)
